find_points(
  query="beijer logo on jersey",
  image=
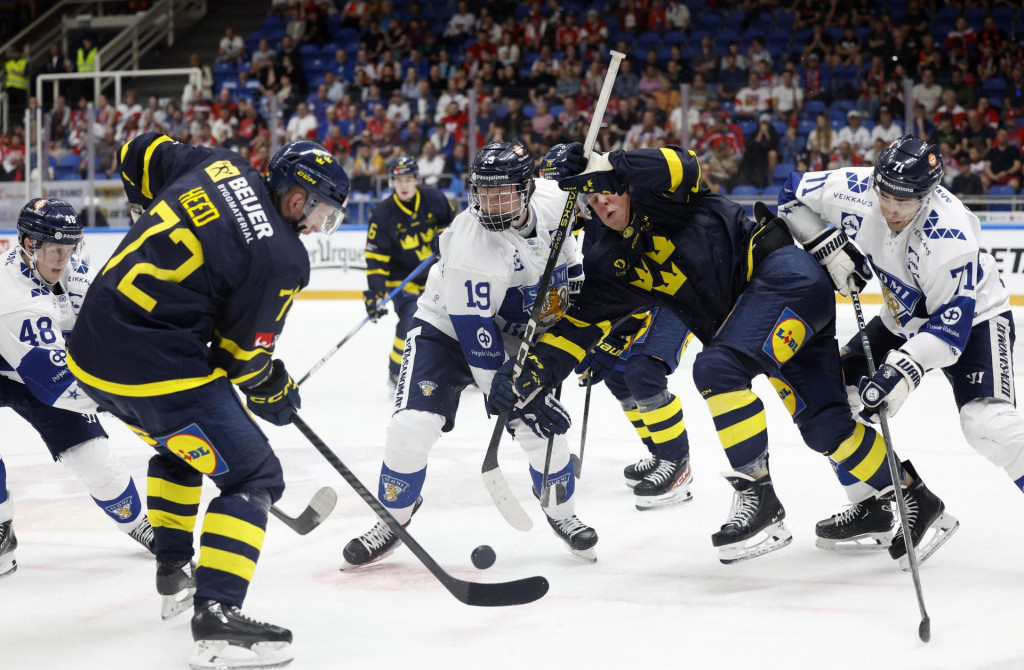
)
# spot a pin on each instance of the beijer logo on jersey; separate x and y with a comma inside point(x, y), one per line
point(250, 204)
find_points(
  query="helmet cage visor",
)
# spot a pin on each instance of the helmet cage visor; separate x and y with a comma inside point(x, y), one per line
point(895, 208)
point(497, 207)
point(319, 210)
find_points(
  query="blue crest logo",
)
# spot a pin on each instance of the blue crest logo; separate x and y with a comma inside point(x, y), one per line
point(856, 184)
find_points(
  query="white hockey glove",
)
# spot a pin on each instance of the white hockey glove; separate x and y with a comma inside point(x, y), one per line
point(841, 258)
point(575, 280)
point(890, 385)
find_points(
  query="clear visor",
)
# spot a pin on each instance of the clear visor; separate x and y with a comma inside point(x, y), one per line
point(898, 209)
point(498, 207)
point(55, 255)
point(322, 216)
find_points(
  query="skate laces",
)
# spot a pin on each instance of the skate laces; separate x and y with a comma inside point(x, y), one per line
point(665, 471)
point(645, 463)
point(143, 533)
point(911, 504)
point(744, 505)
point(849, 515)
point(570, 526)
point(377, 536)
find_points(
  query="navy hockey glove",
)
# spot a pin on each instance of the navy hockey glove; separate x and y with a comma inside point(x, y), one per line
point(372, 300)
point(575, 280)
point(544, 415)
point(601, 360)
point(565, 164)
point(841, 258)
point(506, 391)
point(891, 384)
point(276, 398)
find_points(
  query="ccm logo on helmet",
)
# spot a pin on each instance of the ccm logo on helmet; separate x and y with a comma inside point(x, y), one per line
point(305, 176)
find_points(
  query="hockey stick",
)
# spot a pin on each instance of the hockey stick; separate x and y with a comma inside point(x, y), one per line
point(545, 490)
point(924, 631)
point(366, 319)
point(578, 463)
point(318, 509)
point(501, 594)
point(495, 482)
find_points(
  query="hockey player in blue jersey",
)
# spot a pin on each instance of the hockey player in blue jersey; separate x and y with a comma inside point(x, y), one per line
point(191, 305)
point(634, 362)
point(945, 308)
point(758, 303)
point(400, 237)
point(473, 312)
point(42, 283)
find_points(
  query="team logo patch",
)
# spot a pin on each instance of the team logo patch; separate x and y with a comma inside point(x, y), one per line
point(393, 487)
point(518, 150)
point(122, 509)
point(484, 338)
point(191, 445)
point(951, 316)
point(427, 388)
point(787, 337)
point(932, 160)
point(793, 402)
point(851, 224)
point(221, 170)
point(263, 340)
point(39, 204)
point(857, 184)
point(900, 298)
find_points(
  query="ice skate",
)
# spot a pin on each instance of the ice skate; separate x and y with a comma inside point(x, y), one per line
point(144, 535)
point(668, 484)
point(755, 523)
point(864, 526)
point(8, 543)
point(930, 524)
point(579, 537)
point(176, 583)
point(634, 472)
point(227, 638)
point(377, 543)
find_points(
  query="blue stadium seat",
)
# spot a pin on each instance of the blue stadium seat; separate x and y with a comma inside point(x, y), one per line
point(781, 173)
point(67, 167)
point(748, 128)
point(994, 89)
point(806, 126)
point(1000, 191)
point(648, 40)
point(745, 190)
point(710, 22)
point(771, 193)
point(675, 37)
point(1004, 16)
point(812, 108)
point(947, 14)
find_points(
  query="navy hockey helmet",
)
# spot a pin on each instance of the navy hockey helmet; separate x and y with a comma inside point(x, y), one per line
point(908, 168)
point(403, 165)
point(310, 166)
point(500, 164)
point(49, 220)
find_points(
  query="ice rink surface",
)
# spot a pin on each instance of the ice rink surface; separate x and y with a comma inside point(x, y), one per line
point(84, 598)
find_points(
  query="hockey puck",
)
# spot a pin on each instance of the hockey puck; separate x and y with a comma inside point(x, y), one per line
point(483, 557)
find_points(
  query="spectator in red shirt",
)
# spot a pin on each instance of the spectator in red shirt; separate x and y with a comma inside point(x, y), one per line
point(567, 33)
point(962, 33)
point(1014, 130)
point(594, 32)
point(656, 16)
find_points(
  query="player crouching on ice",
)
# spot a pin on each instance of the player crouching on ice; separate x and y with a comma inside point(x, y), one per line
point(469, 320)
point(191, 305)
point(42, 283)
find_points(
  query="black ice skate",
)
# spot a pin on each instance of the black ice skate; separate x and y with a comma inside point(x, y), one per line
point(8, 543)
point(176, 583)
point(144, 535)
point(637, 471)
point(668, 484)
point(864, 526)
point(755, 523)
point(227, 638)
point(579, 537)
point(377, 543)
point(930, 524)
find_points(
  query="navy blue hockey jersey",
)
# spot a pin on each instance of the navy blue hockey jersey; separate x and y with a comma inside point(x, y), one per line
point(401, 236)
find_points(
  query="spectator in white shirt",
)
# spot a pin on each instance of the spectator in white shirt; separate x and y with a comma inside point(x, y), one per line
point(787, 98)
point(886, 130)
point(857, 135)
point(232, 47)
point(928, 93)
point(301, 124)
point(431, 164)
point(752, 99)
point(462, 22)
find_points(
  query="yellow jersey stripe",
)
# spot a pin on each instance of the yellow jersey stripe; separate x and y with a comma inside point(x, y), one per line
point(175, 493)
point(371, 256)
point(727, 402)
point(145, 163)
point(244, 378)
point(161, 519)
point(143, 390)
point(238, 352)
point(675, 168)
point(849, 445)
point(563, 344)
point(225, 561)
point(869, 466)
point(155, 230)
point(744, 430)
point(234, 528)
point(668, 434)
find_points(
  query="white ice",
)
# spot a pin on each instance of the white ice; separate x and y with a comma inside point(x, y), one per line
point(83, 597)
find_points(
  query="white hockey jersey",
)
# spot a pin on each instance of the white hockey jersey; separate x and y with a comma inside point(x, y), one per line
point(935, 281)
point(484, 286)
point(33, 324)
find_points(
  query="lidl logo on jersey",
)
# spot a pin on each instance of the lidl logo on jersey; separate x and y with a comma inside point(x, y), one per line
point(788, 335)
point(393, 487)
point(899, 297)
point(191, 445)
point(793, 402)
point(850, 224)
point(857, 184)
point(122, 509)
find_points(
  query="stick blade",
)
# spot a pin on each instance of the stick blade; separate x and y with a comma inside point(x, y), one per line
point(924, 631)
point(504, 594)
point(323, 503)
point(506, 503)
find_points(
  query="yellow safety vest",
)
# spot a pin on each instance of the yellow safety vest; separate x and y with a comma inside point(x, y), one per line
point(86, 61)
point(16, 77)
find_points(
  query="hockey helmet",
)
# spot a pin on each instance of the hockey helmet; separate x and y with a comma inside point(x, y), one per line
point(500, 184)
point(49, 220)
point(310, 166)
point(908, 168)
point(403, 165)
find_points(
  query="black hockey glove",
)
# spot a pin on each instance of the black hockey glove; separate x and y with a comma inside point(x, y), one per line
point(565, 164)
point(601, 360)
point(506, 391)
point(276, 398)
point(543, 415)
point(372, 300)
point(891, 384)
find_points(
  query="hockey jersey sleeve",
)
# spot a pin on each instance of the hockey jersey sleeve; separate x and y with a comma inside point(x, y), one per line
point(801, 203)
point(380, 242)
point(152, 160)
point(671, 172)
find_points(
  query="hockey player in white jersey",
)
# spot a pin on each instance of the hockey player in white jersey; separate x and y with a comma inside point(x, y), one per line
point(469, 320)
point(945, 308)
point(42, 283)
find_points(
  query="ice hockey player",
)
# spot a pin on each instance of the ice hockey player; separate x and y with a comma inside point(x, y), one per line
point(42, 283)
point(634, 361)
point(946, 308)
point(400, 237)
point(470, 318)
point(758, 303)
point(191, 303)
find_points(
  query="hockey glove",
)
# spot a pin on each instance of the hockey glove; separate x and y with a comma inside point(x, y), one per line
point(543, 415)
point(374, 308)
point(841, 258)
point(575, 280)
point(565, 163)
point(601, 360)
point(506, 391)
point(276, 398)
point(891, 384)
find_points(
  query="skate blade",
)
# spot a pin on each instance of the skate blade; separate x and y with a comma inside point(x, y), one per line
point(222, 655)
point(943, 528)
point(347, 567)
point(867, 543)
point(173, 605)
point(765, 541)
point(670, 499)
point(589, 555)
point(630, 483)
point(8, 567)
